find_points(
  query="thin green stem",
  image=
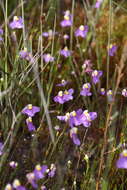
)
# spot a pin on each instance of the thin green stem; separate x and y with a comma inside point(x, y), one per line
point(109, 40)
point(6, 43)
point(24, 36)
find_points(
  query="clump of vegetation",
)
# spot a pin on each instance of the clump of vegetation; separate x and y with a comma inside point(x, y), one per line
point(63, 95)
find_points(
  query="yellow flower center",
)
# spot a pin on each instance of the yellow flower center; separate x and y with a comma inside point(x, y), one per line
point(30, 106)
point(84, 66)
point(87, 115)
point(81, 28)
point(47, 170)
point(16, 18)
point(66, 17)
point(85, 86)
point(66, 92)
point(73, 113)
point(74, 130)
point(52, 166)
point(38, 167)
point(60, 93)
point(63, 81)
point(124, 90)
point(67, 115)
point(102, 89)
point(67, 12)
point(124, 153)
point(95, 73)
point(66, 48)
point(16, 183)
point(25, 49)
point(109, 92)
point(29, 119)
point(48, 55)
point(8, 187)
point(110, 46)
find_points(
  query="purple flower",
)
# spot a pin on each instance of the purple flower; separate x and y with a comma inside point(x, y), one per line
point(24, 54)
point(122, 161)
point(109, 93)
point(8, 187)
point(87, 117)
point(86, 90)
point(49, 34)
point(112, 50)
point(110, 96)
point(87, 66)
point(96, 76)
point(65, 52)
point(17, 185)
point(82, 31)
point(1, 39)
point(1, 31)
point(67, 19)
point(68, 95)
point(48, 58)
point(30, 125)
point(64, 118)
point(39, 171)
point(102, 91)
point(52, 171)
point(13, 164)
point(57, 128)
point(79, 117)
point(45, 34)
point(98, 3)
point(32, 180)
point(1, 148)
point(73, 118)
point(124, 92)
point(63, 83)
point(43, 187)
point(65, 96)
point(73, 135)
point(30, 110)
point(66, 36)
point(16, 23)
